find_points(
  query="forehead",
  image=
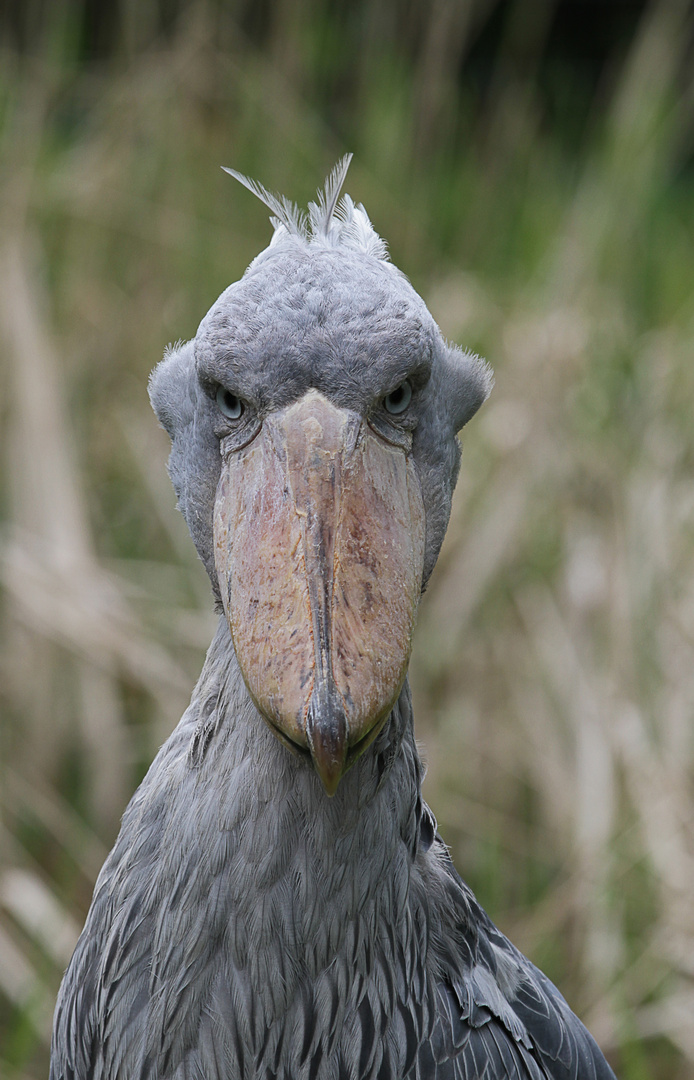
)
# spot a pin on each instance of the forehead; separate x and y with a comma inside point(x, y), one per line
point(348, 324)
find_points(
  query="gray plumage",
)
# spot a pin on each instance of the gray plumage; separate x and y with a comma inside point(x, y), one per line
point(245, 925)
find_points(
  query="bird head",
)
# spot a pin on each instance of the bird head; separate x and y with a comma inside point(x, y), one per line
point(314, 422)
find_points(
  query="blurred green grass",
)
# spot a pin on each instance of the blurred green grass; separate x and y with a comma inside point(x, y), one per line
point(552, 670)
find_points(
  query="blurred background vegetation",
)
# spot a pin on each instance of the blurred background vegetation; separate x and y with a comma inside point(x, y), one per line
point(531, 164)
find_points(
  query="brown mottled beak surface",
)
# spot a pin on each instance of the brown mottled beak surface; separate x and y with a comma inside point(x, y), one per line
point(319, 546)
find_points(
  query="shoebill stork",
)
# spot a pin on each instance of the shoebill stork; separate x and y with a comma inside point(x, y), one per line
point(279, 904)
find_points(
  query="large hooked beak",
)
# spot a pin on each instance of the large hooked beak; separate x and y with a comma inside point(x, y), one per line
point(319, 547)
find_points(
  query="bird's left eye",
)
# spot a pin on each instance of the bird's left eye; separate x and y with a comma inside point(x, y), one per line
point(398, 400)
point(229, 403)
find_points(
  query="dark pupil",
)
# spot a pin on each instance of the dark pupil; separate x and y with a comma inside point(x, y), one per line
point(231, 401)
point(396, 397)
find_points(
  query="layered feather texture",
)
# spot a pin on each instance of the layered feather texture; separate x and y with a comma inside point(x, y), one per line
point(244, 926)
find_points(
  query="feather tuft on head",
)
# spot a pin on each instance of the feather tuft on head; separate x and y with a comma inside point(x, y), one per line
point(329, 222)
point(284, 211)
point(321, 213)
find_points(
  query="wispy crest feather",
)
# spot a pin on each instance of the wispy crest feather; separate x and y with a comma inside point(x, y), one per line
point(284, 211)
point(329, 222)
point(321, 213)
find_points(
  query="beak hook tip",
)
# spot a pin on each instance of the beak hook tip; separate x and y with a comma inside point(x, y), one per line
point(328, 735)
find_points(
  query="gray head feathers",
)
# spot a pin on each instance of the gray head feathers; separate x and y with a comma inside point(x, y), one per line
point(321, 307)
point(330, 222)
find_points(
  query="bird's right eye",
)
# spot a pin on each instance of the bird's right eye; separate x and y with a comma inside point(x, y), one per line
point(397, 401)
point(229, 403)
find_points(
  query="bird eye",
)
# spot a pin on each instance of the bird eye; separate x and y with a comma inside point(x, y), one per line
point(397, 401)
point(229, 403)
